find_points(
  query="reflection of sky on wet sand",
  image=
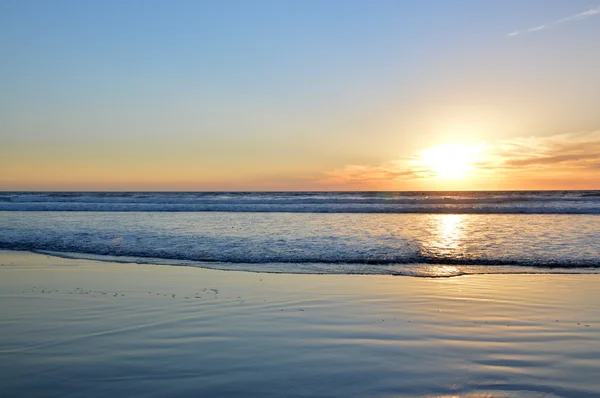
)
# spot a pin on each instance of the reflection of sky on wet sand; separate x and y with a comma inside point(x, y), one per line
point(174, 331)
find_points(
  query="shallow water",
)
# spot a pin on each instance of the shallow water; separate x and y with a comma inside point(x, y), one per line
point(408, 244)
point(407, 233)
point(82, 328)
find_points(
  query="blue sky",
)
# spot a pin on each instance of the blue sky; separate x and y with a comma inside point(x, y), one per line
point(243, 94)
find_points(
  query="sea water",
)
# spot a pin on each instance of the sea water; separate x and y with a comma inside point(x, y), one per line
point(406, 233)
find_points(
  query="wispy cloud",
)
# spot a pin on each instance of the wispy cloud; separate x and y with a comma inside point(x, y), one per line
point(355, 174)
point(574, 155)
point(582, 15)
point(567, 152)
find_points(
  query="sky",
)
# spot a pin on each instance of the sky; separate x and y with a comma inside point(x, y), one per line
point(299, 95)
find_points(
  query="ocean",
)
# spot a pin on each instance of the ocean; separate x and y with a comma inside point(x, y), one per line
point(427, 234)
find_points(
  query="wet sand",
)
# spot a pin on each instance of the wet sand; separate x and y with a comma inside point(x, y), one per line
point(85, 328)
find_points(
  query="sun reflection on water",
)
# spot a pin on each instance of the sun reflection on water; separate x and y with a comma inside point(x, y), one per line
point(450, 230)
point(446, 243)
point(437, 270)
point(447, 236)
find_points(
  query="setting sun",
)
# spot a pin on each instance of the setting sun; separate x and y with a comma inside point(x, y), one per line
point(452, 161)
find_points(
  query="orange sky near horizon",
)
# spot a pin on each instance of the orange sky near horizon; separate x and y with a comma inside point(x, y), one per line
point(252, 96)
point(553, 163)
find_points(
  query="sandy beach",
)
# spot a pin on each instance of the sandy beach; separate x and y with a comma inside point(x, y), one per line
point(84, 328)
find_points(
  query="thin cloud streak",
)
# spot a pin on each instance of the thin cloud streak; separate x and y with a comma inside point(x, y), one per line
point(573, 154)
point(577, 17)
point(575, 151)
point(366, 174)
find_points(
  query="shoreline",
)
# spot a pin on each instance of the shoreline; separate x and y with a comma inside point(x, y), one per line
point(80, 327)
point(415, 270)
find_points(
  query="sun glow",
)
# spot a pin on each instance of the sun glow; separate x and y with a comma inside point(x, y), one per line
point(453, 161)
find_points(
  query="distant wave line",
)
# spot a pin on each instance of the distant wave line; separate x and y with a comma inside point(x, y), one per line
point(441, 208)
